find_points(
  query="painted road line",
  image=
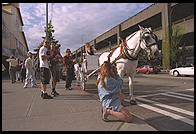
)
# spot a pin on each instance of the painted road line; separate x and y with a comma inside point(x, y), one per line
point(191, 89)
point(172, 115)
point(148, 95)
point(185, 95)
point(166, 94)
point(168, 107)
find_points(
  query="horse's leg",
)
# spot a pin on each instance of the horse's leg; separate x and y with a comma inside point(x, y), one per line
point(121, 73)
point(131, 97)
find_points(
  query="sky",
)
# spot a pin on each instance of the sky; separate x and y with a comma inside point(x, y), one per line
point(74, 23)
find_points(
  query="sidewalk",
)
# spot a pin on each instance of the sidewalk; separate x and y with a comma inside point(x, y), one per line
point(75, 110)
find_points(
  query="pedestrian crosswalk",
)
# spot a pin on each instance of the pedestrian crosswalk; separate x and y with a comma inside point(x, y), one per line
point(176, 112)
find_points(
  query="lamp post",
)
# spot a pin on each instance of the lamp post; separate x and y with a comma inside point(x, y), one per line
point(46, 20)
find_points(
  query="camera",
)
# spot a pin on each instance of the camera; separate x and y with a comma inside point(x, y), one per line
point(48, 52)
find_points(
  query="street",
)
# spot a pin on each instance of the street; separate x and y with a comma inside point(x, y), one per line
point(164, 102)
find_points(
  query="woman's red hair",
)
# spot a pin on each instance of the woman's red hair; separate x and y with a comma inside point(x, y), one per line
point(107, 70)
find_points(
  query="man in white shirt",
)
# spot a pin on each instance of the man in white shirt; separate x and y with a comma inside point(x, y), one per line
point(29, 65)
point(44, 69)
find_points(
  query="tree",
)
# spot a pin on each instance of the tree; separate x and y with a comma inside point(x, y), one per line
point(172, 53)
point(177, 47)
point(50, 35)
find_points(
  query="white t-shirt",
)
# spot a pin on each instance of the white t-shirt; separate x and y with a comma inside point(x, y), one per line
point(43, 63)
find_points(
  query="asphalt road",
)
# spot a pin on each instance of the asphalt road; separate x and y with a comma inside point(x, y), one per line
point(164, 102)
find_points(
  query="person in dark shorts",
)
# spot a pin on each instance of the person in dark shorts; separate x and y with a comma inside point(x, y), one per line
point(54, 59)
point(69, 66)
point(44, 69)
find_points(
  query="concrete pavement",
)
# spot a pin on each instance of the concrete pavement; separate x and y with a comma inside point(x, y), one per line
point(73, 110)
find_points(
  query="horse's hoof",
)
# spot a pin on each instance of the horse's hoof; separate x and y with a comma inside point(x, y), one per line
point(132, 102)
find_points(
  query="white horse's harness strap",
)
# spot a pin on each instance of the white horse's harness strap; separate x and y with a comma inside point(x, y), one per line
point(124, 49)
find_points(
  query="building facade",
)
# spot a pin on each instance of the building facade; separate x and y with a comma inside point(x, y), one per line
point(13, 38)
point(157, 16)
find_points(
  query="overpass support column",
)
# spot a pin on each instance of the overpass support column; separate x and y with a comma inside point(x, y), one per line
point(118, 34)
point(165, 39)
point(94, 43)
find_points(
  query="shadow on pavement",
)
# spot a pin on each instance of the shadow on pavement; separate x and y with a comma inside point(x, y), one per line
point(73, 97)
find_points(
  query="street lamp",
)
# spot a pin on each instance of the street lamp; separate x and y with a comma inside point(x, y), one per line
point(46, 20)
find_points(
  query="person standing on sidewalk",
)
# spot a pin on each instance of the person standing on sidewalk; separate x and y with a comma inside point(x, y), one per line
point(69, 66)
point(18, 70)
point(12, 68)
point(3, 67)
point(44, 69)
point(29, 65)
point(23, 71)
point(33, 69)
point(109, 84)
point(54, 58)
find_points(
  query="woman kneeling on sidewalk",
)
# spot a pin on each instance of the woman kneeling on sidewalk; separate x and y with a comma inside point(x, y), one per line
point(109, 84)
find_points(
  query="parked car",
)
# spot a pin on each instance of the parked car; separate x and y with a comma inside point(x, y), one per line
point(144, 69)
point(148, 69)
point(182, 71)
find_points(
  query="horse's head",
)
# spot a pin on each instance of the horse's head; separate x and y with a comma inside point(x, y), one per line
point(149, 42)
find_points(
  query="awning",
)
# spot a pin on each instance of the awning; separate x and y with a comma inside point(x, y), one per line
point(8, 52)
point(20, 57)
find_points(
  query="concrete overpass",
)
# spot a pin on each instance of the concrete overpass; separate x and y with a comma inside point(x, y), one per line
point(155, 16)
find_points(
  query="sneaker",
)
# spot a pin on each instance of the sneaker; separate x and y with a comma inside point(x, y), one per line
point(54, 93)
point(70, 88)
point(42, 94)
point(25, 87)
point(104, 114)
point(46, 96)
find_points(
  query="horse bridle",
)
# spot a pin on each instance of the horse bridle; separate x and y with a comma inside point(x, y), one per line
point(142, 38)
point(125, 48)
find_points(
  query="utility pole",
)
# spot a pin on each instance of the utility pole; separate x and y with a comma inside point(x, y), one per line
point(46, 20)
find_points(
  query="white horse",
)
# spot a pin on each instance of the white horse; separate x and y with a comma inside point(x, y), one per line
point(126, 55)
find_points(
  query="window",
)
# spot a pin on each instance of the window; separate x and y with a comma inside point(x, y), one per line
point(17, 23)
point(189, 60)
point(5, 31)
